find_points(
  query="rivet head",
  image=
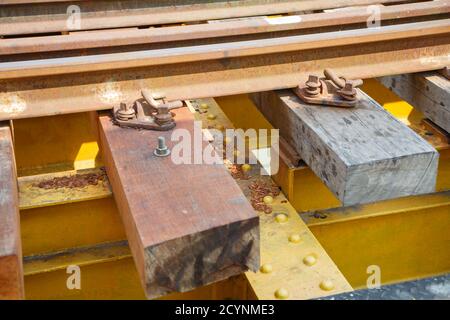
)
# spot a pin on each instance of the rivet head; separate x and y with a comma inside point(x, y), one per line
point(281, 218)
point(294, 238)
point(281, 293)
point(204, 106)
point(246, 167)
point(327, 285)
point(268, 199)
point(211, 116)
point(266, 268)
point(310, 260)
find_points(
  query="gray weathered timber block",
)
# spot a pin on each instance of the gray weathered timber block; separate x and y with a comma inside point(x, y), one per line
point(362, 154)
point(429, 92)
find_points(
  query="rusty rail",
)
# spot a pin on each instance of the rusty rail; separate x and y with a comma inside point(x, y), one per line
point(106, 38)
point(89, 63)
point(215, 62)
point(78, 92)
point(45, 18)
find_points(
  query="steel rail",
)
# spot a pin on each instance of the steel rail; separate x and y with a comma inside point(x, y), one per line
point(45, 67)
point(6, 2)
point(46, 22)
point(106, 38)
point(221, 74)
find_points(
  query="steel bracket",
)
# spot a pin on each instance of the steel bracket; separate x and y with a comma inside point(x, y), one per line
point(331, 90)
point(149, 113)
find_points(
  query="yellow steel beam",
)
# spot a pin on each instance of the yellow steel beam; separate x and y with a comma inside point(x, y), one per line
point(53, 228)
point(32, 196)
point(406, 238)
point(298, 264)
point(57, 143)
point(106, 271)
point(57, 219)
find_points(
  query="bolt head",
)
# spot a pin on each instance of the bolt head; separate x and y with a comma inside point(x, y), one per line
point(313, 82)
point(348, 92)
point(313, 78)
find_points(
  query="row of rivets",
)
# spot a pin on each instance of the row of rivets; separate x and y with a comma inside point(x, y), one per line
point(309, 260)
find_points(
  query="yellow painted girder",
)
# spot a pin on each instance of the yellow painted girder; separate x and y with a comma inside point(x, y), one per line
point(58, 227)
point(31, 196)
point(80, 256)
point(107, 271)
point(406, 238)
point(56, 143)
point(381, 208)
point(298, 262)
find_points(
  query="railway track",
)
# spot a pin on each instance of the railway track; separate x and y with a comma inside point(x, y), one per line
point(72, 57)
point(96, 66)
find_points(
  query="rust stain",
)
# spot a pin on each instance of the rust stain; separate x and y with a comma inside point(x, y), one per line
point(12, 103)
point(260, 189)
point(75, 181)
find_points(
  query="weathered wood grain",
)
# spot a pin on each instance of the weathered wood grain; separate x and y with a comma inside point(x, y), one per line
point(429, 92)
point(11, 272)
point(188, 224)
point(362, 154)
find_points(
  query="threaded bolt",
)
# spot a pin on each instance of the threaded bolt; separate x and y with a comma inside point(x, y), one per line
point(313, 85)
point(125, 112)
point(161, 150)
point(348, 92)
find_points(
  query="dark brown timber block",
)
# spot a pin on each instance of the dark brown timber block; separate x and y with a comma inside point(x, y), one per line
point(187, 224)
point(11, 272)
point(428, 91)
point(362, 154)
